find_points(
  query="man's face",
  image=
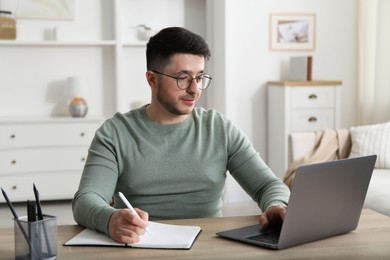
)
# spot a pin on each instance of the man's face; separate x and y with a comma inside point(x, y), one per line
point(174, 100)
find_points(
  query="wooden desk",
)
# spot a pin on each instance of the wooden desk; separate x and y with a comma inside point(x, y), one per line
point(370, 240)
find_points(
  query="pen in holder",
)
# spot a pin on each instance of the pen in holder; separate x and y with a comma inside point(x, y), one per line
point(41, 240)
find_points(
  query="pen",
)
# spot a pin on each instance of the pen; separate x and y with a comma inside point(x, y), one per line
point(128, 205)
point(40, 217)
point(31, 211)
point(11, 207)
point(39, 206)
point(33, 231)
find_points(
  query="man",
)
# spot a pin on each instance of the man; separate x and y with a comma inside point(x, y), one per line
point(170, 158)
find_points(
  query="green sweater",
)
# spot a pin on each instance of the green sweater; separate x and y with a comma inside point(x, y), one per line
point(171, 171)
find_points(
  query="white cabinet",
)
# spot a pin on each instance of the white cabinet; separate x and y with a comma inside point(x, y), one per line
point(49, 152)
point(298, 106)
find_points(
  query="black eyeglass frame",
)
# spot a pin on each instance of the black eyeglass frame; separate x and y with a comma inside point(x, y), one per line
point(197, 79)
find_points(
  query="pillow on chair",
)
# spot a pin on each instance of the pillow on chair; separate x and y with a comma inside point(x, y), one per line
point(372, 139)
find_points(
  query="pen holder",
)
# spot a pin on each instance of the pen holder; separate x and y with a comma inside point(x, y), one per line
point(36, 239)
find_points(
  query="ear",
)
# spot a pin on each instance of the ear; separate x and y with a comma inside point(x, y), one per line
point(151, 78)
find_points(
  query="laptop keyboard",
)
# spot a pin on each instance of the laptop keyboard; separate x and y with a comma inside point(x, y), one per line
point(269, 238)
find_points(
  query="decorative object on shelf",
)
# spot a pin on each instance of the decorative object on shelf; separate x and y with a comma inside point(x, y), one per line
point(77, 90)
point(144, 32)
point(78, 107)
point(292, 32)
point(55, 34)
point(7, 26)
point(301, 68)
point(51, 34)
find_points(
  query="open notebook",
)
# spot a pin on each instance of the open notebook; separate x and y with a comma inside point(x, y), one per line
point(162, 236)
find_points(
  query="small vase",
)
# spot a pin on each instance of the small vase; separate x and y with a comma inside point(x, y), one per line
point(78, 107)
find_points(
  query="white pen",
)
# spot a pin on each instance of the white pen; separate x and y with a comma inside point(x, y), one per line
point(128, 205)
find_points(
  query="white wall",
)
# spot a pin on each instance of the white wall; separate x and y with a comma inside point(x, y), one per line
point(241, 63)
point(248, 63)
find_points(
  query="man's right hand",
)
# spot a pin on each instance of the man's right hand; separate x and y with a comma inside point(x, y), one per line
point(126, 227)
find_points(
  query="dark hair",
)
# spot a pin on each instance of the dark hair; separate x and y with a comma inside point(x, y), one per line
point(173, 40)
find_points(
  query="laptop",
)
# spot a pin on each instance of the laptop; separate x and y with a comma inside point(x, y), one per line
point(326, 200)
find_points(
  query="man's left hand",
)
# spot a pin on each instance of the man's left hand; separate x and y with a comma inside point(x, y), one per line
point(272, 216)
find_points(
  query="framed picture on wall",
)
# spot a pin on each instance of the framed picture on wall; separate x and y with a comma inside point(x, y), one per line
point(44, 9)
point(292, 32)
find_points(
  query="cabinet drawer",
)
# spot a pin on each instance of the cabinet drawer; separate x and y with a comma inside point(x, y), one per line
point(314, 97)
point(43, 159)
point(27, 135)
point(309, 120)
point(51, 185)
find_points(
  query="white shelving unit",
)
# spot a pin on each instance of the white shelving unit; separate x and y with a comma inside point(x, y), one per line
point(57, 43)
point(101, 44)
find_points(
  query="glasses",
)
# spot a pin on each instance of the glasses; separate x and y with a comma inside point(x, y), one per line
point(184, 80)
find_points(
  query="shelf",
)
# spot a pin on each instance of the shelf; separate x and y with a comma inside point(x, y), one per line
point(57, 43)
point(48, 119)
point(135, 44)
point(71, 43)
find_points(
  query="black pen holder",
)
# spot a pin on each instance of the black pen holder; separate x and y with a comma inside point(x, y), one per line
point(36, 239)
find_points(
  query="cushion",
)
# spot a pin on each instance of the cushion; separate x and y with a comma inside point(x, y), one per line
point(378, 193)
point(372, 139)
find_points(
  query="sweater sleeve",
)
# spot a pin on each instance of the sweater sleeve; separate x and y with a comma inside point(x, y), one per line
point(252, 173)
point(91, 203)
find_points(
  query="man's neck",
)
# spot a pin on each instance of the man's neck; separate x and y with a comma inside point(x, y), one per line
point(164, 118)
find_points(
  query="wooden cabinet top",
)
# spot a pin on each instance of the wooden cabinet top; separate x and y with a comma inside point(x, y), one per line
point(49, 120)
point(305, 83)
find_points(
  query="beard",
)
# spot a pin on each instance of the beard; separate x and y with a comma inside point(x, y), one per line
point(171, 105)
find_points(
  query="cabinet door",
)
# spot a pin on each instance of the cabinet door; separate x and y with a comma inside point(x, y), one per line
point(312, 97)
point(27, 135)
point(312, 119)
point(51, 185)
point(42, 159)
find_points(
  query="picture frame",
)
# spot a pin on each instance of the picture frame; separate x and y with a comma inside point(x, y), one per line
point(292, 32)
point(44, 9)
